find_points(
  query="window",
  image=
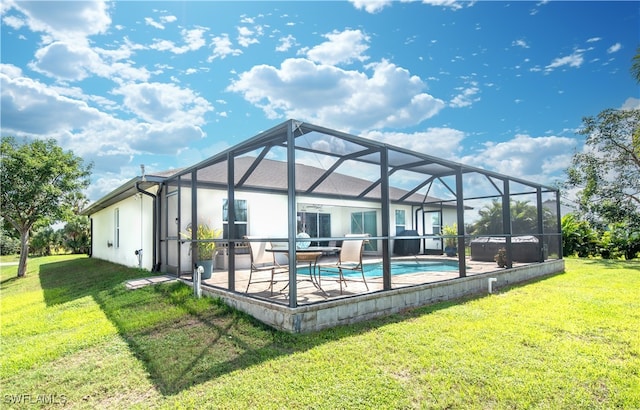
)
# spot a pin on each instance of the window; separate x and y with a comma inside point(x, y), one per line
point(435, 222)
point(116, 228)
point(400, 221)
point(241, 218)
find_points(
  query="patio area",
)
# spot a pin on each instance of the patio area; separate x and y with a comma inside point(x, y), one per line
point(309, 293)
point(327, 307)
point(321, 308)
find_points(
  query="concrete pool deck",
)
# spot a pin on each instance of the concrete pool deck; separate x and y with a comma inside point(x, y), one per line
point(318, 309)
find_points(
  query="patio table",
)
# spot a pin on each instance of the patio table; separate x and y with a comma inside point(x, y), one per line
point(309, 255)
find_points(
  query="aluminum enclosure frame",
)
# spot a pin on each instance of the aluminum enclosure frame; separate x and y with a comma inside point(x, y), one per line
point(390, 159)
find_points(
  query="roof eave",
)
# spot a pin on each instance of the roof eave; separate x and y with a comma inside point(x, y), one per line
point(124, 191)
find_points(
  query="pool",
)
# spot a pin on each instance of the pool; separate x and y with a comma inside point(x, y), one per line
point(373, 270)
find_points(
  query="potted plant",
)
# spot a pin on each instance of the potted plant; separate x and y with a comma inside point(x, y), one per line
point(451, 239)
point(206, 250)
point(501, 258)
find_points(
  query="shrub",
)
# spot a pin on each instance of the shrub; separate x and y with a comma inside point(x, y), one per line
point(9, 245)
point(578, 237)
point(622, 240)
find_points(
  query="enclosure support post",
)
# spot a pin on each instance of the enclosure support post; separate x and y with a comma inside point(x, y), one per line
point(293, 226)
point(541, 237)
point(178, 225)
point(231, 223)
point(386, 219)
point(506, 222)
point(558, 229)
point(462, 257)
point(194, 220)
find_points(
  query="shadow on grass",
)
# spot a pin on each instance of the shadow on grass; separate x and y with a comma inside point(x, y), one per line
point(612, 263)
point(183, 341)
point(8, 280)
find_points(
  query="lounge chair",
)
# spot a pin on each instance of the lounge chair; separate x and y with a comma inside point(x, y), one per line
point(349, 259)
point(263, 260)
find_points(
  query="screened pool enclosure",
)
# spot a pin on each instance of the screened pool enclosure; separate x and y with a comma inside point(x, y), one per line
point(299, 186)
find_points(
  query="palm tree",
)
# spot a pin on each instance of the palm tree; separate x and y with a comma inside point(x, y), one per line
point(635, 65)
point(524, 219)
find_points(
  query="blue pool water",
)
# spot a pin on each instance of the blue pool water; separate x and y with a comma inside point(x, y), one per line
point(373, 270)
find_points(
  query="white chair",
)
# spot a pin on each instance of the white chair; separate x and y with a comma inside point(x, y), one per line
point(349, 259)
point(262, 260)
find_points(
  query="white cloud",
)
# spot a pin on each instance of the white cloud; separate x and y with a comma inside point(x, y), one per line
point(193, 39)
point(520, 43)
point(54, 60)
point(286, 43)
point(151, 22)
point(31, 107)
point(370, 6)
point(594, 39)
point(342, 47)
point(246, 36)
point(452, 4)
point(574, 60)
point(631, 104)
point(70, 61)
point(85, 125)
point(465, 98)
point(13, 22)
point(66, 20)
point(437, 142)
point(222, 48)
point(160, 103)
point(344, 99)
point(614, 48)
point(247, 20)
point(539, 159)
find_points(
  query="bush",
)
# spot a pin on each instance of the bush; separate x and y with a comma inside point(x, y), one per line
point(622, 240)
point(578, 237)
point(9, 245)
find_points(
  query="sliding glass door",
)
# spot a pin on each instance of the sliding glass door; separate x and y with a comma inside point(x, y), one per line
point(317, 225)
point(365, 222)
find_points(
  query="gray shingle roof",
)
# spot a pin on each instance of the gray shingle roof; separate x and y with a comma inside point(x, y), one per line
point(272, 175)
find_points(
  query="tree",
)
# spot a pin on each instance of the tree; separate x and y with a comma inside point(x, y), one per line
point(76, 234)
point(42, 240)
point(524, 219)
point(635, 65)
point(39, 182)
point(607, 171)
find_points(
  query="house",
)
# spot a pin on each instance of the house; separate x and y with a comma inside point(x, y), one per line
point(126, 228)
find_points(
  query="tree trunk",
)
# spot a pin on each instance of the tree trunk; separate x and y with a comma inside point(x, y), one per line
point(24, 252)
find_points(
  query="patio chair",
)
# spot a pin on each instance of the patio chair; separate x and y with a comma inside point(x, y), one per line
point(263, 260)
point(349, 259)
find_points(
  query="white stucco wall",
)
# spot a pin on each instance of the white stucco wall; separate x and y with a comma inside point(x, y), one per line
point(267, 217)
point(136, 232)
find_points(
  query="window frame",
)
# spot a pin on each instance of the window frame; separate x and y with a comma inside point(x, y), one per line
point(244, 213)
point(116, 228)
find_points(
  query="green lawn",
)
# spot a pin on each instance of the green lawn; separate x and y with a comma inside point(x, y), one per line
point(74, 337)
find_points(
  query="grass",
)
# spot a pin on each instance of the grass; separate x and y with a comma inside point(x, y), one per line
point(74, 337)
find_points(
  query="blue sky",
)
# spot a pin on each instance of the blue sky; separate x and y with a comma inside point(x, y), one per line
point(499, 85)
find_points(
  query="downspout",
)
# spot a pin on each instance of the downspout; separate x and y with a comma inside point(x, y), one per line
point(155, 266)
